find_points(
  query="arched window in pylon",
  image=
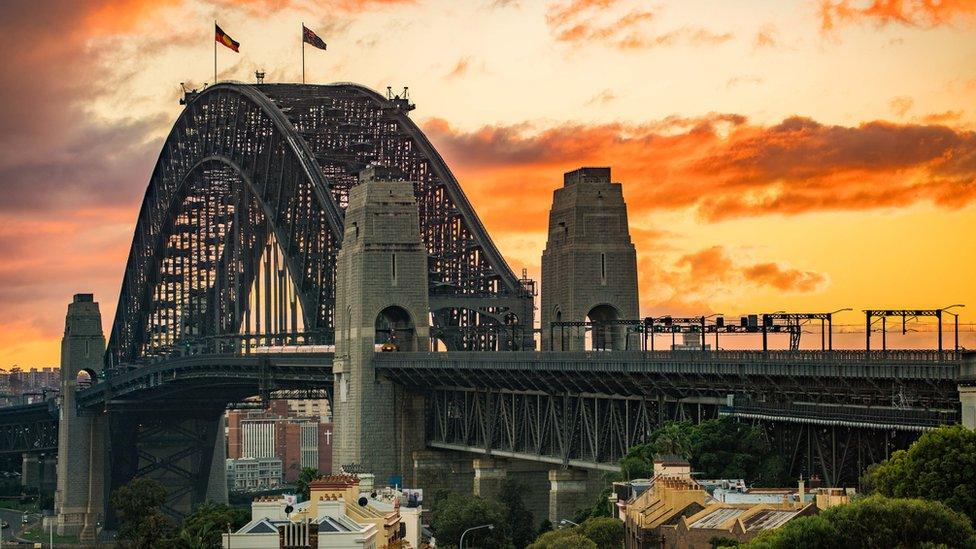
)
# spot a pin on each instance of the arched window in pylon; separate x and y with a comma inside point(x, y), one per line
point(606, 335)
point(85, 378)
point(395, 330)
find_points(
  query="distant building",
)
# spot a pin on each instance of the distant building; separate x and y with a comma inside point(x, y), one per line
point(295, 431)
point(253, 474)
point(28, 386)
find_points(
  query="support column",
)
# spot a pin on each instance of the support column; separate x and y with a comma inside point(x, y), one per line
point(967, 396)
point(78, 501)
point(567, 493)
point(589, 266)
point(381, 301)
point(30, 471)
point(436, 470)
point(49, 473)
point(489, 476)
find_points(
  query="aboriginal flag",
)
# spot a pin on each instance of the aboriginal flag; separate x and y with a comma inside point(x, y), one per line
point(225, 39)
point(311, 38)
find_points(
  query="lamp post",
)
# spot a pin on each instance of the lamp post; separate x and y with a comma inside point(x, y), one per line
point(564, 522)
point(461, 541)
point(956, 329)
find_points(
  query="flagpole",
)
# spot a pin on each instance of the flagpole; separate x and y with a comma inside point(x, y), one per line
point(303, 52)
point(215, 53)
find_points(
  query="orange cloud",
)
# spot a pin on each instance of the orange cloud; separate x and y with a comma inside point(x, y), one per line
point(766, 36)
point(784, 279)
point(912, 13)
point(586, 21)
point(900, 105)
point(461, 68)
point(719, 165)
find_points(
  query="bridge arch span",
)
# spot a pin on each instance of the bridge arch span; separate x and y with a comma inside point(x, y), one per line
point(249, 189)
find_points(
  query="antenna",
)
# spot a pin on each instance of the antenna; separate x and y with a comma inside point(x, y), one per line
point(259, 76)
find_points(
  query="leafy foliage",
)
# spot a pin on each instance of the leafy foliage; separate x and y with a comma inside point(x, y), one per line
point(722, 541)
point(517, 515)
point(717, 448)
point(547, 539)
point(605, 532)
point(204, 526)
point(873, 522)
point(453, 513)
point(305, 478)
point(574, 541)
point(139, 508)
point(940, 465)
point(596, 533)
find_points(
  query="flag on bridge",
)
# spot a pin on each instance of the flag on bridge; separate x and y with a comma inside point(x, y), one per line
point(225, 39)
point(311, 38)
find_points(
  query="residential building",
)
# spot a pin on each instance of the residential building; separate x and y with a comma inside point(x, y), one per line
point(271, 527)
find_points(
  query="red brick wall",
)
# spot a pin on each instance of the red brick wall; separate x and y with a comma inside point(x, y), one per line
point(325, 448)
point(234, 434)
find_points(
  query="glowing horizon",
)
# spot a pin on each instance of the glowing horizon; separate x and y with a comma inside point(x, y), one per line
point(803, 156)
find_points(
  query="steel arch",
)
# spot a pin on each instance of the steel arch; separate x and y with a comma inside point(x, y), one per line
point(247, 165)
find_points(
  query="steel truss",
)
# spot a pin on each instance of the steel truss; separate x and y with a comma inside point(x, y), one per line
point(836, 454)
point(30, 428)
point(583, 430)
point(240, 225)
point(594, 431)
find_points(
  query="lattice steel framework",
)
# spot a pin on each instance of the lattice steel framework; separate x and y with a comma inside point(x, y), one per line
point(240, 225)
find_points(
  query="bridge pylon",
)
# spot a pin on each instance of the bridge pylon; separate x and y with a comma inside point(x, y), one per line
point(79, 499)
point(381, 302)
point(589, 266)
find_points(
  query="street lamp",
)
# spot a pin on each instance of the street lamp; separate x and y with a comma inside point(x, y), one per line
point(564, 522)
point(956, 319)
point(461, 541)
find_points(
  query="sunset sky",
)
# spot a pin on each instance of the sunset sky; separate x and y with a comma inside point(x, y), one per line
point(806, 156)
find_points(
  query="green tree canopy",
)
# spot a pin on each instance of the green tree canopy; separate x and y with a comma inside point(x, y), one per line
point(605, 532)
point(547, 539)
point(517, 515)
point(305, 478)
point(874, 522)
point(716, 448)
point(940, 465)
point(204, 526)
point(139, 507)
point(452, 514)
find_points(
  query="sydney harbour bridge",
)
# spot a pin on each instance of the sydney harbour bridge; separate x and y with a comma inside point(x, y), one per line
point(288, 231)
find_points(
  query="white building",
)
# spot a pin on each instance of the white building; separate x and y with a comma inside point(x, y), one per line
point(251, 474)
point(334, 528)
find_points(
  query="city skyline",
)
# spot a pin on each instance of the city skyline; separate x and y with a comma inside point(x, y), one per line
point(804, 156)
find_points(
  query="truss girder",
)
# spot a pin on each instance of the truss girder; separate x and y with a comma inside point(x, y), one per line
point(246, 164)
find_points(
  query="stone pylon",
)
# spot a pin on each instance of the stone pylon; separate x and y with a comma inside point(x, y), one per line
point(589, 266)
point(381, 298)
point(79, 498)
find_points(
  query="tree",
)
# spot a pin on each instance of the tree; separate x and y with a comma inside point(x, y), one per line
point(139, 508)
point(717, 448)
point(718, 542)
point(871, 522)
point(605, 532)
point(210, 520)
point(517, 515)
point(453, 514)
point(574, 541)
point(940, 465)
point(544, 526)
point(305, 479)
point(548, 539)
